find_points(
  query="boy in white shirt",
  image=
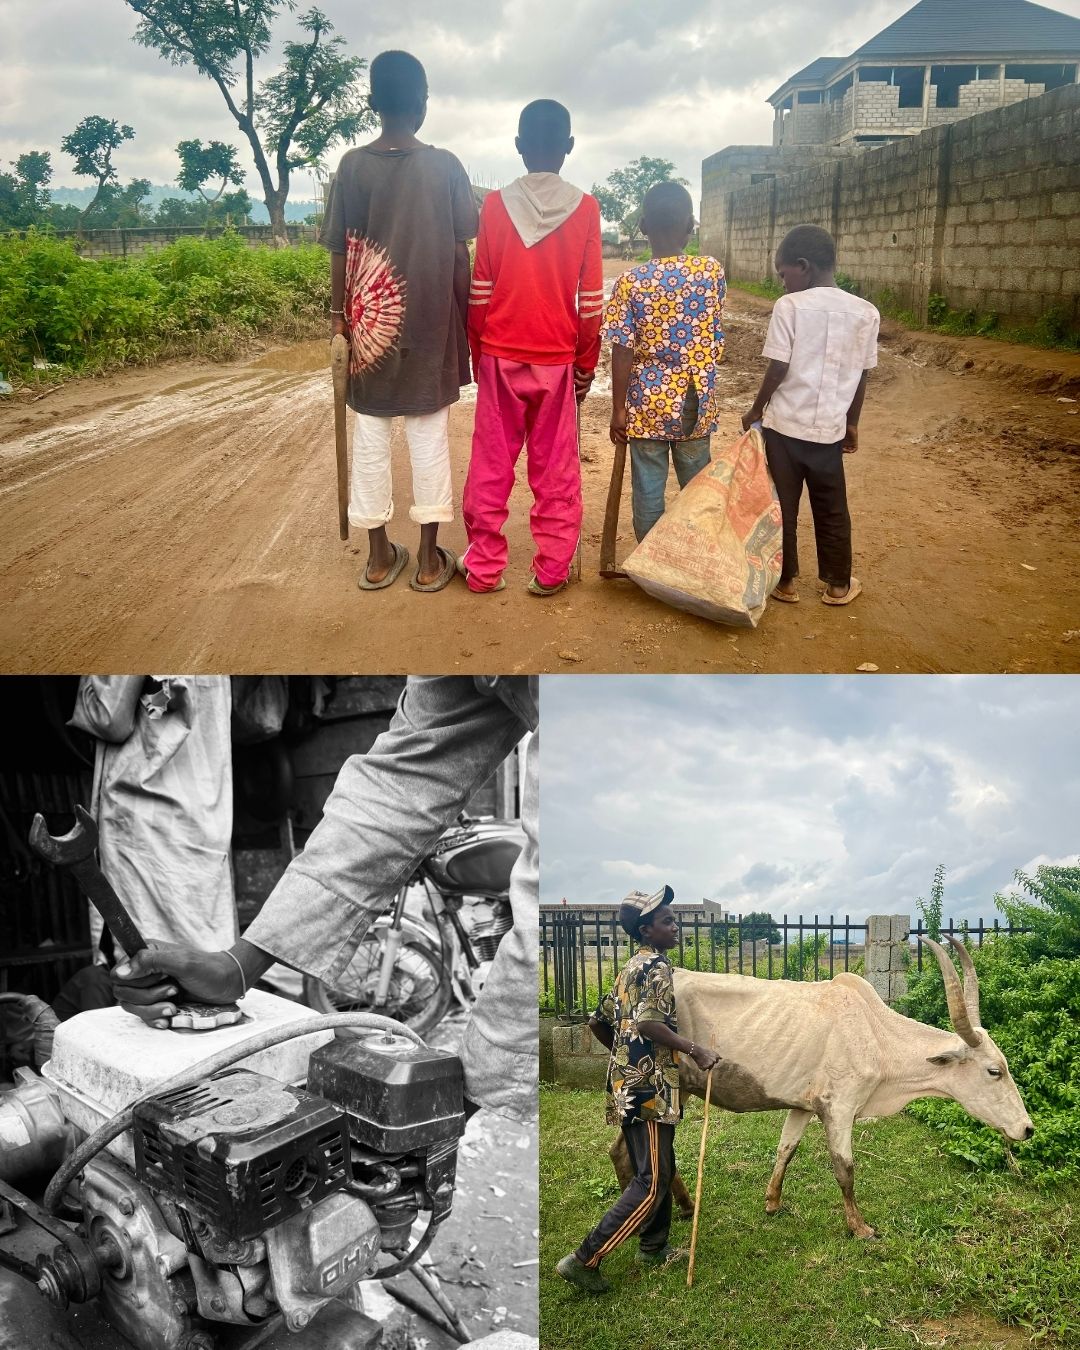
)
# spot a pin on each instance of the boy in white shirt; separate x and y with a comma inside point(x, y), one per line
point(821, 344)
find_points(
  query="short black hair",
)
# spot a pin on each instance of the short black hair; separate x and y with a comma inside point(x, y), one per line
point(544, 126)
point(668, 206)
point(398, 83)
point(811, 242)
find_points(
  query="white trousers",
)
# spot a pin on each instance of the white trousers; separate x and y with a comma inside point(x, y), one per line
point(371, 501)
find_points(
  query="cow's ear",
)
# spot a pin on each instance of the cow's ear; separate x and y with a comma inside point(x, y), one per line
point(948, 1056)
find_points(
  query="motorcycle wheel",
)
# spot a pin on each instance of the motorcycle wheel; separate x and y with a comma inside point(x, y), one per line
point(419, 992)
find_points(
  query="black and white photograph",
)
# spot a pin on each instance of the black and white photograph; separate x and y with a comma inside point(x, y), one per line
point(267, 1023)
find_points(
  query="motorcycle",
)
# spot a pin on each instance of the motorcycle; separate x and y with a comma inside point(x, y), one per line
point(410, 966)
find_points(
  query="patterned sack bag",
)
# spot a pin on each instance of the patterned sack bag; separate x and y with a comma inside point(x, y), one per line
point(716, 550)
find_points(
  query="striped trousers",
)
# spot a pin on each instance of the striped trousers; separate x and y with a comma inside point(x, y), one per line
point(645, 1206)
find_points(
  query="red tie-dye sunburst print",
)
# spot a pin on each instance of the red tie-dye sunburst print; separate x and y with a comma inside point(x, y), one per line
point(374, 303)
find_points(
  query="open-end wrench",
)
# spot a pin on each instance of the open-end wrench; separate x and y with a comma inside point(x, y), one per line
point(76, 851)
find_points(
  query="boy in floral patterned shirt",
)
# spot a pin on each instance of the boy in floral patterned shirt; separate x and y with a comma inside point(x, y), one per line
point(664, 323)
point(637, 1022)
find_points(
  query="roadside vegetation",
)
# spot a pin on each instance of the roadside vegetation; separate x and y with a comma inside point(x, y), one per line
point(63, 314)
point(1055, 330)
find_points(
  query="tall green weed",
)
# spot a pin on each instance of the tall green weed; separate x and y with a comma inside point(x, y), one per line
point(204, 296)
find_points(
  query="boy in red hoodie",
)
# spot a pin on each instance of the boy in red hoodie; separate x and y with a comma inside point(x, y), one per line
point(534, 329)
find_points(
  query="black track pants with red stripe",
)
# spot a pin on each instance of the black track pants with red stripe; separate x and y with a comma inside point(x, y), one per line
point(645, 1206)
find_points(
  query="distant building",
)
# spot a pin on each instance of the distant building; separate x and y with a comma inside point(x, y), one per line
point(942, 60)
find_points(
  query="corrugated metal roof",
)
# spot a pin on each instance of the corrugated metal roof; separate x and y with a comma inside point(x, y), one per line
point(974, 27)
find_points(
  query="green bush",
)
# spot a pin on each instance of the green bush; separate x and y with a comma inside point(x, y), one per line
point(197, 295)
point(1031, 1007)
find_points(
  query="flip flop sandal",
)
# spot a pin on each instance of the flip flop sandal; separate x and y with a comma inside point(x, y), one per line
point(535, 588)
point(401, 557)
point(450, 563)
point(500, 585)
point(854, 589)
point(787, 597)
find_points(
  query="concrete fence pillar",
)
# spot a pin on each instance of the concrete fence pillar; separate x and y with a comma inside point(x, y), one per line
point(887, 954)
point(577, 1058)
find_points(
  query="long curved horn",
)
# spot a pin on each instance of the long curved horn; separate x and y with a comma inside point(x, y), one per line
point(971, 980)
point(954, 993)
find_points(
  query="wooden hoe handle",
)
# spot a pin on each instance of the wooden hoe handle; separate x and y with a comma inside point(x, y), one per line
point(339, 364)
point(697, 1192)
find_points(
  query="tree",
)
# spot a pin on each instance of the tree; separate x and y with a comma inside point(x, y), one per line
point(931, 909)
point(91, 145)
point(199, 164)
point(621, 199)
point(1051, 914)
point(234, 208)
point(760, 927)
point(24, 198)
point(313, 102)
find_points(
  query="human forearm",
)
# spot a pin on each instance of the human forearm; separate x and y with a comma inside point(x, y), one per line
point(337, 295)
point(602, 1032)
point(622, 363)
point(661, 1034)
point(774, 377)
point(855, 411)
point(462, 279)
point(387, 808)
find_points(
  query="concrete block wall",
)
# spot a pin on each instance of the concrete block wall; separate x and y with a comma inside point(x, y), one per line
point(984, 211)
point(131, 242)
point(877, 108)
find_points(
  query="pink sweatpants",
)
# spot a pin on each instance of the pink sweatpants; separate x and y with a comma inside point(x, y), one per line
point(515, 404)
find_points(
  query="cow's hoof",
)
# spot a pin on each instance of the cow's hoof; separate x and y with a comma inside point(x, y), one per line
point(686, 1214)
point(866, 1233)
point(773, 1210)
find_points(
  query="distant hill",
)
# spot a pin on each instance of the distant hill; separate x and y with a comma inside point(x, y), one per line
point(294, 210)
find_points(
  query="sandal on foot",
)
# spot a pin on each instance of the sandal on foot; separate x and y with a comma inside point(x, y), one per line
point(588, 1280)
point(450, 564)
point(401, 557)
point(854, 589)
point(535, 588)
point(500, 585)
point(788, 597)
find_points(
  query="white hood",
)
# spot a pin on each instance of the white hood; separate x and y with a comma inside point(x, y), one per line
point(539, 203)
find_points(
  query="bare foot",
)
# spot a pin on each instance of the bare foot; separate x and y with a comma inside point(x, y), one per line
point(787, 587)
point(378, 566)
point(429, 568)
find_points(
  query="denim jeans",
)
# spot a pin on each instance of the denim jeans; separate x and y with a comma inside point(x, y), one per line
point(386, 811)
point(649, 473)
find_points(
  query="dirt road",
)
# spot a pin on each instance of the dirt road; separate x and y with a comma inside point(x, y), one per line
point(184, 517)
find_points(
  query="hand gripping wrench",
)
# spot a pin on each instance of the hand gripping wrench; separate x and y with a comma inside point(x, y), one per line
point(75, 851)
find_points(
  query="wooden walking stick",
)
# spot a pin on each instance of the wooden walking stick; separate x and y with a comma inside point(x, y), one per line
point(608, 569)
point(339, 364)
point(700, 1170)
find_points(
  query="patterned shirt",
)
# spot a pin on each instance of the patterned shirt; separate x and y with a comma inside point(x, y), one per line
point(643, 1077)
point(669, 312)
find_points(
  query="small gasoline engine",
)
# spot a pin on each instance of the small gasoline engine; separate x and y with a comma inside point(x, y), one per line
point(262, 1192)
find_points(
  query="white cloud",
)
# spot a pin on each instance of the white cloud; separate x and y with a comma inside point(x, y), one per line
point(808, 794)
point(634, 83)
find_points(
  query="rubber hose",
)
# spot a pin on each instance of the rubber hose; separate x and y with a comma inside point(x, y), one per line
point(410, 1258)
point(224, 1059)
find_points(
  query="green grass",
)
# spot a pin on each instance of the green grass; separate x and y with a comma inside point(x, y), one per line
point(952, 1243)
point(1056, 330)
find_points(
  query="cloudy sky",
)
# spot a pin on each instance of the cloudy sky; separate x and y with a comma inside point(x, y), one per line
point(636, 82)
point(807, 794)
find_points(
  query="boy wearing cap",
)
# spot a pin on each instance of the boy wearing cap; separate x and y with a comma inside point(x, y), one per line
point(637, 1023)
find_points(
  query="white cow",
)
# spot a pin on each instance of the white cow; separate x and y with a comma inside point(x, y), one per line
point(836, 1051)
